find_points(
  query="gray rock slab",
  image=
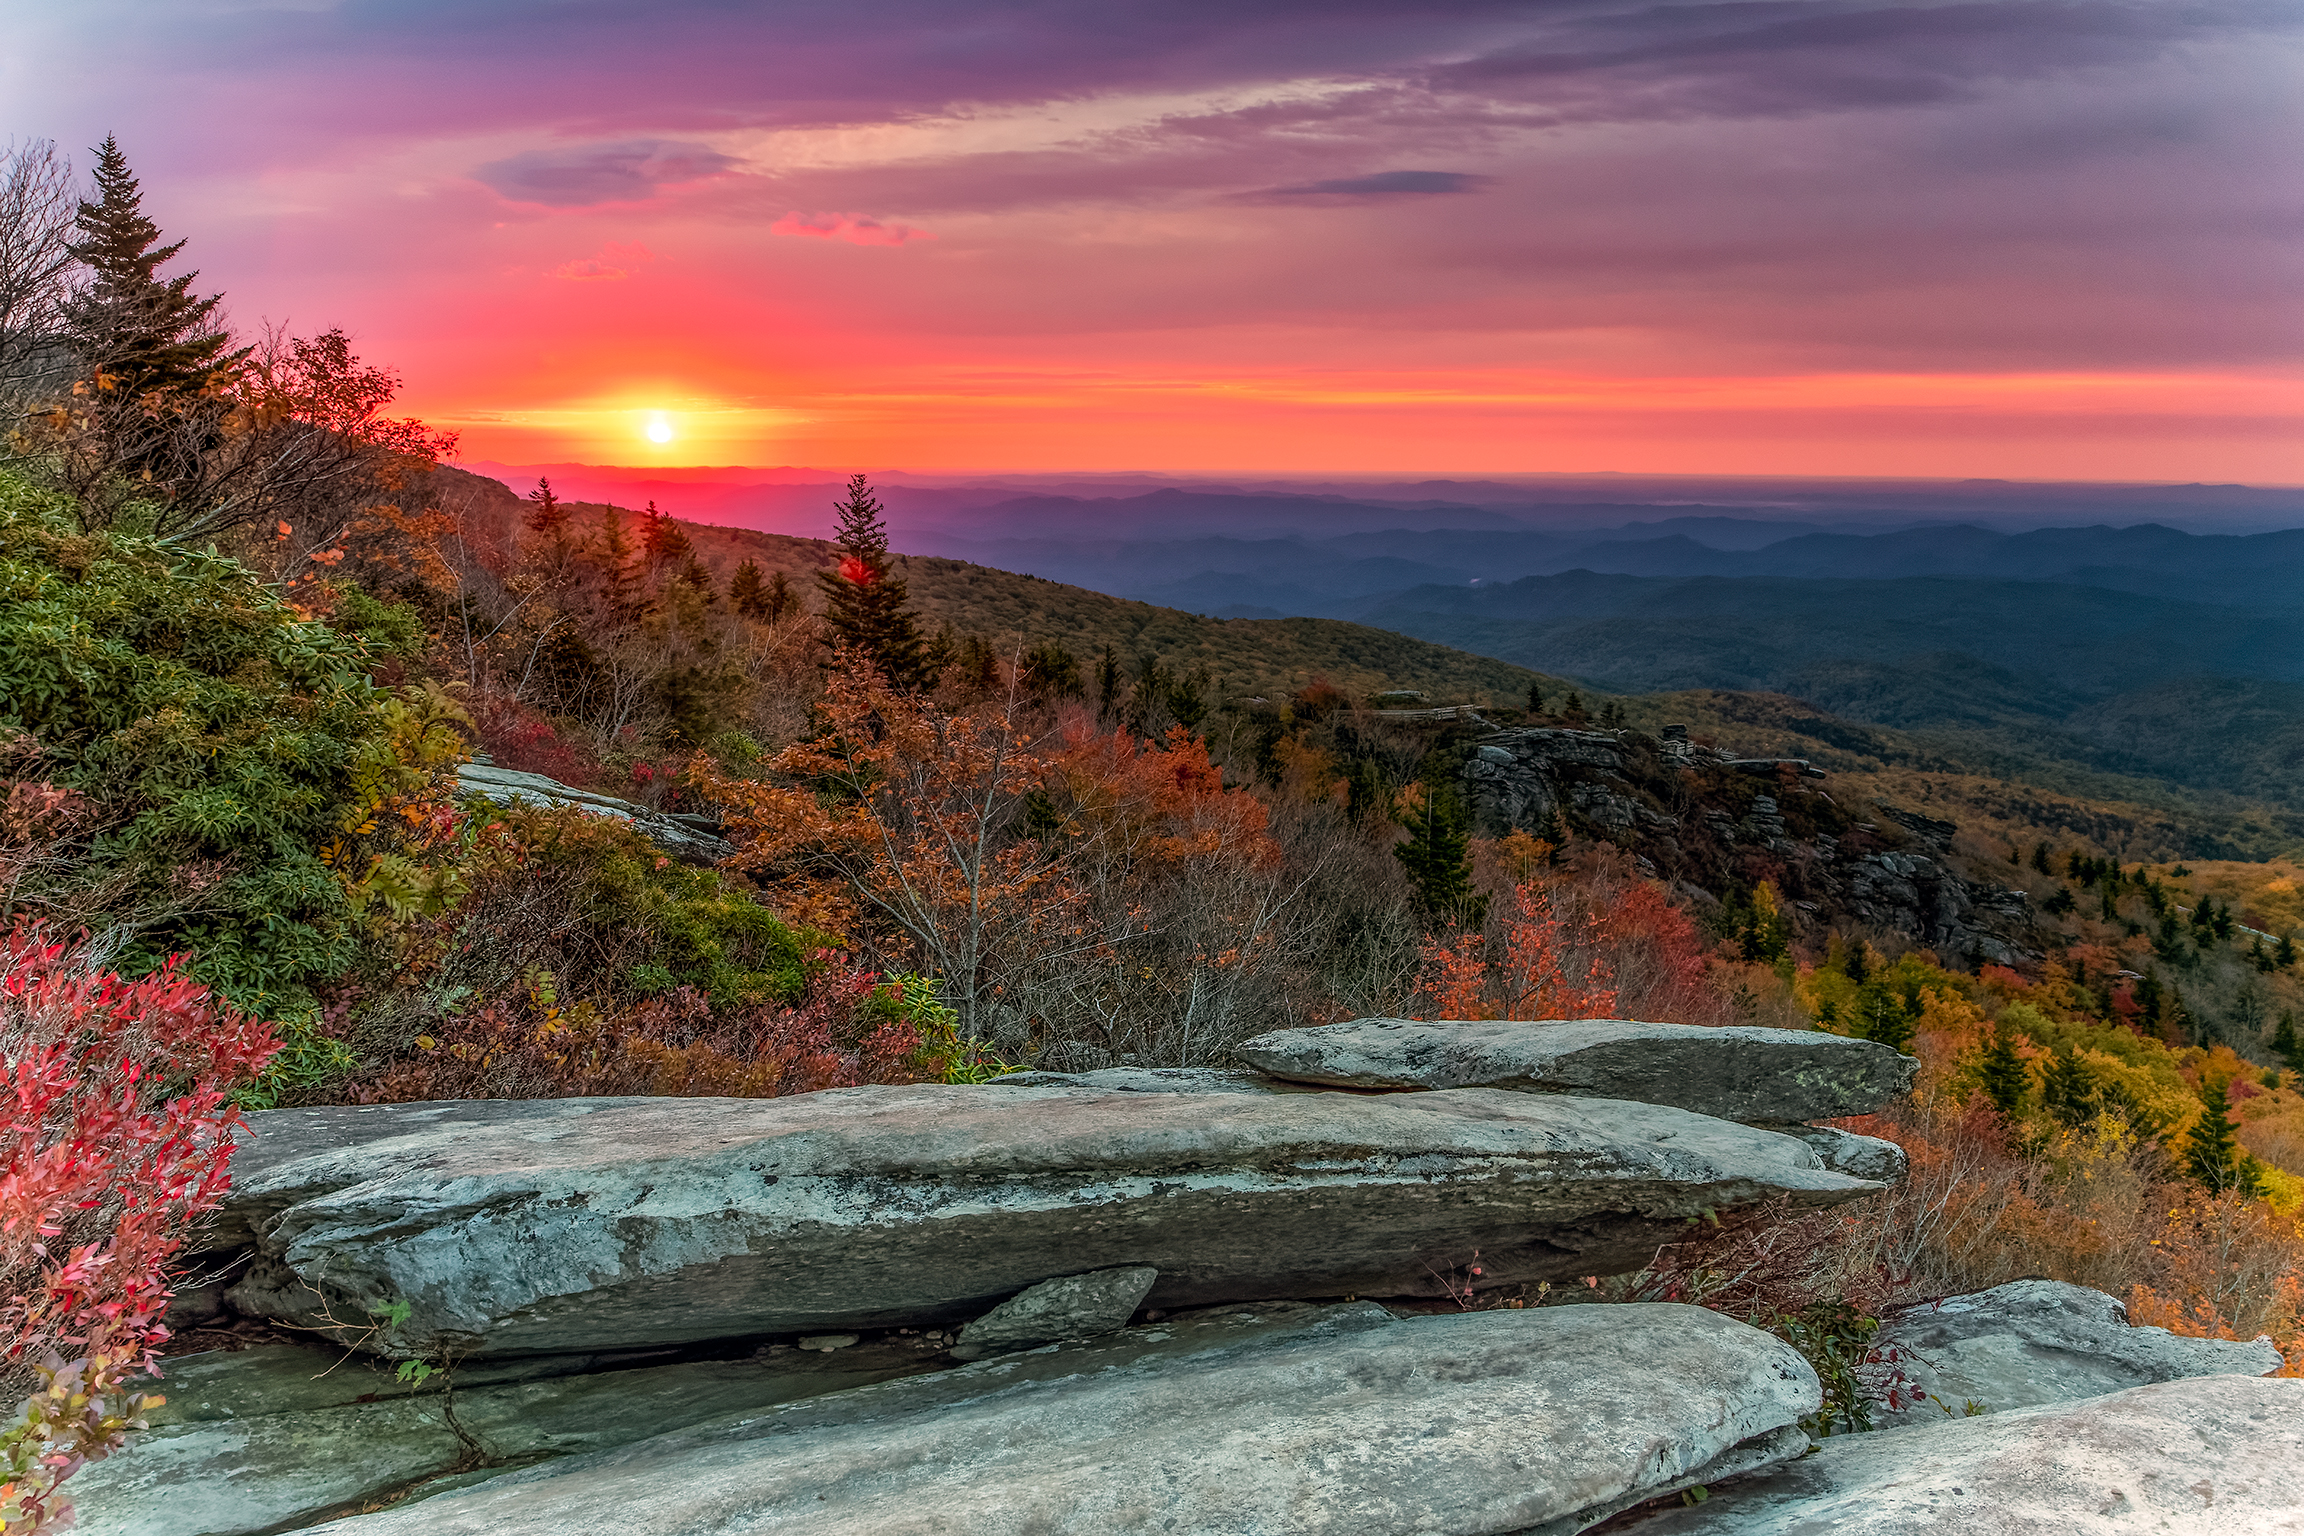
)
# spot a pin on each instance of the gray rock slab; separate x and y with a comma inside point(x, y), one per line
point(1736, 1073)
point(1068, 1307)
point(2210, 1456)
point(1348, 1422)
point(1860, 1157)
point(673, 1220)
point(274, 1438)
point(1154, 1080)
point(2042, 1341)
point(507, 786)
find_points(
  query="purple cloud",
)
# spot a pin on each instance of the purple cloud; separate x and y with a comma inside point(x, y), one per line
point(628, 171)
point(1382, 184)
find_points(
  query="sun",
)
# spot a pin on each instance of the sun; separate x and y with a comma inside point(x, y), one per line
point(659, 428)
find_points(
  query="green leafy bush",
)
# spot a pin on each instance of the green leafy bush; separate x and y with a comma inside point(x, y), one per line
point(215, 736)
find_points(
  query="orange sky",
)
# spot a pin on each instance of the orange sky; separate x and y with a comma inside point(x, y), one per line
point(1811, 236)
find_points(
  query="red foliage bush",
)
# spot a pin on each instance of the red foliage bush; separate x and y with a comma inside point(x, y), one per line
point(118, 1140)
point(677, 1045)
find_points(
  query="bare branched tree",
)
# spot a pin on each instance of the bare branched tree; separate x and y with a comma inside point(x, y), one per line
point(36, 207)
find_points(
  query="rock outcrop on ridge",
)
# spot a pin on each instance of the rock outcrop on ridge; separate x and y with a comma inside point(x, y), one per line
point(1747, 1074)
point(727, 1317)
point(1340, 1419)
point(2041, 1341)
point(668, 1221)
point(2209, 1456)
point(691, 839)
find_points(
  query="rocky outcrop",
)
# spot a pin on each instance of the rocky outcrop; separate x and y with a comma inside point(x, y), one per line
point(1860, 1157)
point(1711, 822)
point(1342, 1419)
point(280, 1437)
point(1069, 1307)
point(1742, 1073)
point(553, 1227)
point(2210, 1456)
point(2041, 1341)
point(691, 839)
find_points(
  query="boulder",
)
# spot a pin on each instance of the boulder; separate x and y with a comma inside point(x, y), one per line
point(1339, 1419)
point(691, 839)
point(1860, 1157)
point(279, 1437)
point(2041, 1341)
point(1737, 1073)
point(664, 1221)
point(1071, 1307)
point(2210, 1456)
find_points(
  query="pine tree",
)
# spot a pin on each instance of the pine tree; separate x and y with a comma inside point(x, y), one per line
point(2212, 1154)
point(2006, 1083)
point(1109, 681)
point(748, 592)
point(1437, 857)
point(662, 539)
point(145, 333)
point(2040, 859)
point(2284, 953)
point(1574, 708)
point(2068, 1088)
point(865, 607)
point(612, 552)
point(1535, 700)
point(2285, 1044)
point(547, 514)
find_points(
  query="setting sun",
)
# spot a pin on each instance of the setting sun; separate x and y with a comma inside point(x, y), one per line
point(659, 429)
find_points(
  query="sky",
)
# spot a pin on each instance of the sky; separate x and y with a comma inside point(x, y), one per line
point(2050, 239)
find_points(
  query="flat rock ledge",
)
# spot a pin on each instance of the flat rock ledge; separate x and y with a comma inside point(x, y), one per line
point(1473, 1424)
point(1735, 1073)
point(2209, 1456)
point(2042, 1341)
point(668, 1221)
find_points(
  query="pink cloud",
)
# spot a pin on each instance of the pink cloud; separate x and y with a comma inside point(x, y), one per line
point(605, 266)
point(854, 228)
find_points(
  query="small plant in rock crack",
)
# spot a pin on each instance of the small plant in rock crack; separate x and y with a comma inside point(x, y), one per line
point(1856, 1375)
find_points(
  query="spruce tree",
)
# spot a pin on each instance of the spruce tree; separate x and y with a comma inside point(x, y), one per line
point(662, 539)
point(2284, 953)
point(2212, 1154)
point(2006, 1083)
point(146, 334)
point(1437, 857)
point(2285, 1044)
point(1109, 682)
point(2040, 859)
point(1535, 700)
point(748, 592)
point(865, 607)
point(2068, 1088)
point(547, 514)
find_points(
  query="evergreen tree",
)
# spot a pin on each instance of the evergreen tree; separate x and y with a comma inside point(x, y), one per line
point(2285, 1044)
point(1188, 699)
point(1574, 708)
point(2006, 1083)
point(147, 334)
point(748, 592)
point(1437, 857)
point(2284, 953)
point(547, 514)
point(1109, 682)
point(2111, 902)
point(865, 608)
point(1535, 700)
point(2211, 1152)
point(2068, 1088)
point(2040, 859)
point(662, 539)
point(620, 589)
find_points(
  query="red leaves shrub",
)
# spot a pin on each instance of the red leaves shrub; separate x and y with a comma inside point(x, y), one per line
point(839, 1036)
point(117, 1141)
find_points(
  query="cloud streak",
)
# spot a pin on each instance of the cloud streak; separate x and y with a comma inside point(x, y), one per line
point(854, 228)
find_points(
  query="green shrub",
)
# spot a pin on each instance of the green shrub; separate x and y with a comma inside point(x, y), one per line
point(215, 735)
